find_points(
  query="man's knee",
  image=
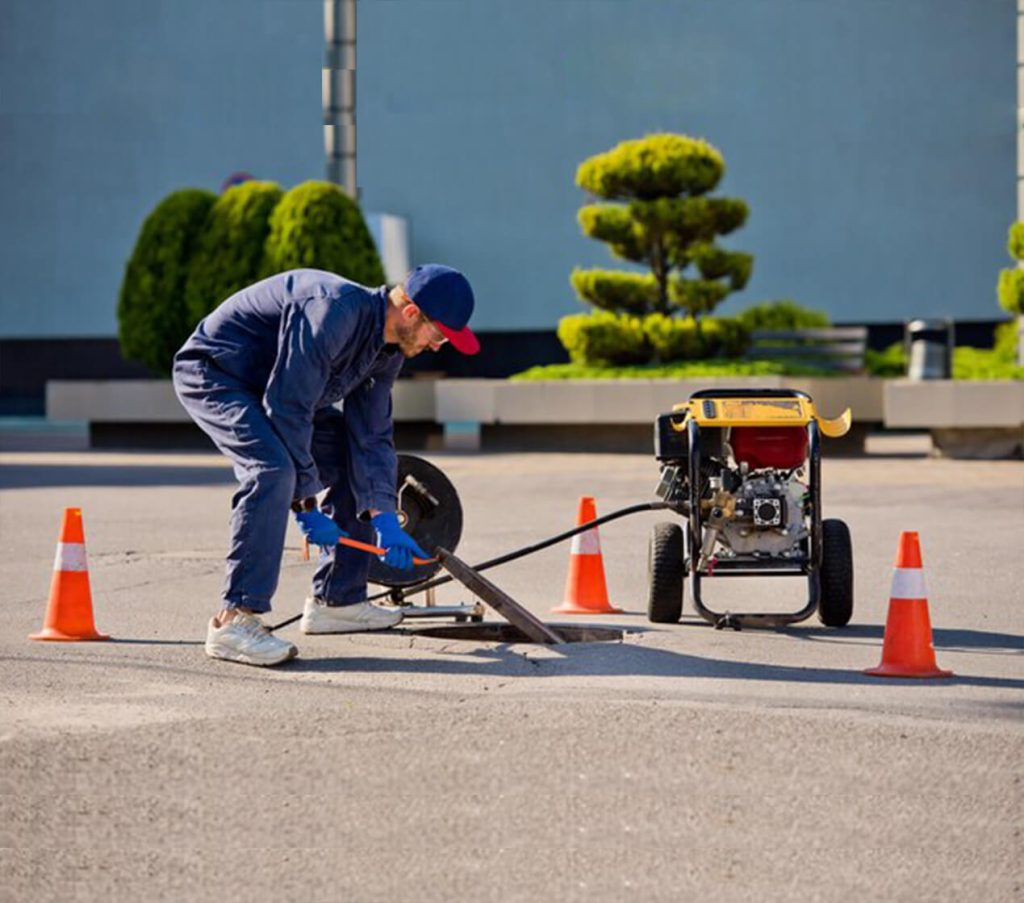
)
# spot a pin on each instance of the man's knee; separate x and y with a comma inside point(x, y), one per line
point(274, 478)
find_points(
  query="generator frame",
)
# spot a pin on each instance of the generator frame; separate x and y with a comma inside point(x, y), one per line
point(807, 565)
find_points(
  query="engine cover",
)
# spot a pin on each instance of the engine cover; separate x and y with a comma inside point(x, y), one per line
point(769, 517)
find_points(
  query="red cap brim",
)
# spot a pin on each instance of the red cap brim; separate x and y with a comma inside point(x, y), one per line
point(462, 339)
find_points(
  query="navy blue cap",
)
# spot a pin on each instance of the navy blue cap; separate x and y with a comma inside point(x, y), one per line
point(445, 297)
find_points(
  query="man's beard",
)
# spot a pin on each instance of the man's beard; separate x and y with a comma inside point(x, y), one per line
point(406, 335)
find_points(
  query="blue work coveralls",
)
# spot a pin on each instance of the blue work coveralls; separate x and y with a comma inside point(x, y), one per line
point(261, 376)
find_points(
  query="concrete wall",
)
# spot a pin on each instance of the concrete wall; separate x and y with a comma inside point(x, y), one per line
point(108, 105)
point(874, 139)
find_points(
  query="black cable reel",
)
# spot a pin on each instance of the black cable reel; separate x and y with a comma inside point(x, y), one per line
point(428, 510)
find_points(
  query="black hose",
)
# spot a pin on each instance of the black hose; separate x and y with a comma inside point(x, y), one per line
point(400, 593)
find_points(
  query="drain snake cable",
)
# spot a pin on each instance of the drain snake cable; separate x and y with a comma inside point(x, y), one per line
point(400, 593)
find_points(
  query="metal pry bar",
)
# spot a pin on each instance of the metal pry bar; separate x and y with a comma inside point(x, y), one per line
point(498, 599)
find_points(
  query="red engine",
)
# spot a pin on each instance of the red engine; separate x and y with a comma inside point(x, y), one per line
point(781, 447)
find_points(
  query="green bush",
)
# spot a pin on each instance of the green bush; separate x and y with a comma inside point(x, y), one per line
point(655, 211)
point(230, 252)
point(890, 362)
point(983, 363)
point(652, 167)
point(317, 225)
point(720, 367)
point(1015, 241)
point(615, 290)
point(723, 337)
point(153, 321)
point(604, 338)
point(1005, 346)
point(782, 315)
point(1011, 291)
point(673, 338)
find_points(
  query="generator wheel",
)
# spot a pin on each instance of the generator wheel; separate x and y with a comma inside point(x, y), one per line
point(836, 605)
point(665, 574)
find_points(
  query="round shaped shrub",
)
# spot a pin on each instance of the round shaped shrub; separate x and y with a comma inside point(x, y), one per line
point(660, 165)
point(1015, 241)
point(152, 319)
point(229, 255)
point(615, 290)
point(604, 338)
point(317, 225)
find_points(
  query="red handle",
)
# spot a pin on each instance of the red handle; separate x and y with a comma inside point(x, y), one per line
point(363, 547)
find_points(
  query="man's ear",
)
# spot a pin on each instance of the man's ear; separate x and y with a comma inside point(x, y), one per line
point(410, 311)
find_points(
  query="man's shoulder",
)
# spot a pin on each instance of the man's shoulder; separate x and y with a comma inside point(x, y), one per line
point(308, 283)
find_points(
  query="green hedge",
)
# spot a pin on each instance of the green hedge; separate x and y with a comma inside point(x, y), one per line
point(603, 338)
point(317, 225)
point(782, 315)
point(153, 320)
point(230, 252)
point(720, 367)
point(890, 362)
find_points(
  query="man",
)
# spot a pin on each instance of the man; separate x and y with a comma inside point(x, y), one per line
point(261, 376)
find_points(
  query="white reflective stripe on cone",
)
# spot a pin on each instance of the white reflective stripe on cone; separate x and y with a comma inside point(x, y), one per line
point(588, 543)
point(70, 557)
point(908, 583)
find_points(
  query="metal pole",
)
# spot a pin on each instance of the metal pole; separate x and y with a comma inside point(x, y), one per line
point(338, 89)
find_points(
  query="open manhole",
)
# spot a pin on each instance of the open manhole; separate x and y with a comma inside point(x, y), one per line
point(507, 633)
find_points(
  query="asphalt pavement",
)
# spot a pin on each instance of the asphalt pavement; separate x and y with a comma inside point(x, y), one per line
point(752, 765)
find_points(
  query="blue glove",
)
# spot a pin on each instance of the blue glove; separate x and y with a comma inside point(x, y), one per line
point(318, 528)
point(400, 546)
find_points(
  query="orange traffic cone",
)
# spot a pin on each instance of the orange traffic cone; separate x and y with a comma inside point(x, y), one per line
point(585, 589)
point(69, 614)
point(907, 649)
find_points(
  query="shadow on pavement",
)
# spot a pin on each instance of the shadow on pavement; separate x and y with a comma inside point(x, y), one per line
point(622, 660)
point(950, 639)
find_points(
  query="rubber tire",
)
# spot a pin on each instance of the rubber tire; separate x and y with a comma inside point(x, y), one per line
point(835, 607)
point(665, 574)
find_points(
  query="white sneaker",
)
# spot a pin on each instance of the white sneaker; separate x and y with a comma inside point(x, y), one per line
point(245, 639)
point(320, 618)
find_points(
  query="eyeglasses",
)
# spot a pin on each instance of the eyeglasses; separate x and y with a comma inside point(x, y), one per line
point(436, 336)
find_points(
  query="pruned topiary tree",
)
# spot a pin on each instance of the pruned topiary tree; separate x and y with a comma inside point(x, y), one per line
point(317, 225)
point(229, 254)
point(153, 321)
point(656, 210)
point(1011, 285)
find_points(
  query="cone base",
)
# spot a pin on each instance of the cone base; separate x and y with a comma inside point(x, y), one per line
point(49, 633)
point(906, 671)
point(580, 610)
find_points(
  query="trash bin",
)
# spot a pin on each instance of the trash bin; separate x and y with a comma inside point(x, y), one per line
point(929, 349)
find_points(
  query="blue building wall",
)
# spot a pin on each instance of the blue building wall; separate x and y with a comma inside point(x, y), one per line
point(873, 139)
point(108, 105)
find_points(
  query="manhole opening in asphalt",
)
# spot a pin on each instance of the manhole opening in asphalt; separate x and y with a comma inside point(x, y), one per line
point(507, 633)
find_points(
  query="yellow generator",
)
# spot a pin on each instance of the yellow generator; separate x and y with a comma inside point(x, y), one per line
point(743, 468)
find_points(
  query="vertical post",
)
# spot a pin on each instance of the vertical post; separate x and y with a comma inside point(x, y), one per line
point(1020, 156)
point(338, 90)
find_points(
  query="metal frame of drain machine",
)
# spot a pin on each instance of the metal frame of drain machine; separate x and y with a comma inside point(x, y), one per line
point(808, 565)
point(461, 612)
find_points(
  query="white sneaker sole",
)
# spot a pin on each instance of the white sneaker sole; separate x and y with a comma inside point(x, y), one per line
point(352, 627)
point(215, 650)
